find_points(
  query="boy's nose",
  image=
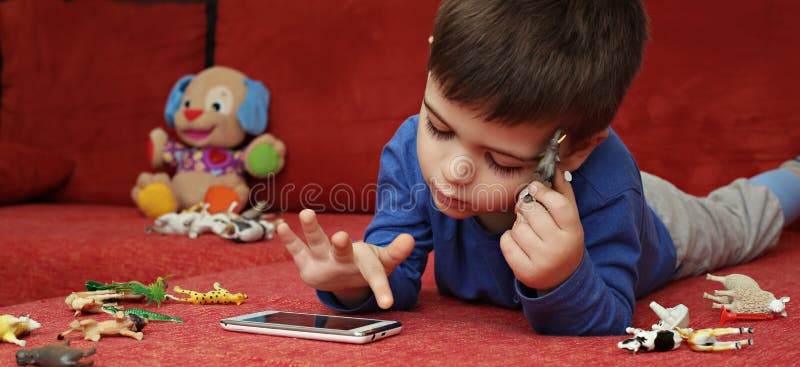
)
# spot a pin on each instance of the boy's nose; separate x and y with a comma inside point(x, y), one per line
point(459, 170)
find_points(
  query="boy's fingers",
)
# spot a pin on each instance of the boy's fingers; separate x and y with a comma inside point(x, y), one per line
point(374, 273)
point(396, 252)
point(557, 205)
point(536, 214)
point(315, 236)
point(342, 247)
point(517, 260)
point(561, 184)
point(564, 187)
point(293, 244)
point(525, 237)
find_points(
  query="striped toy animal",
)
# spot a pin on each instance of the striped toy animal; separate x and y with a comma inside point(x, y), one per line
point(219, 296)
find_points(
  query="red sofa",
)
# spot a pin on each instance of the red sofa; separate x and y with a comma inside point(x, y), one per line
point(84, 81)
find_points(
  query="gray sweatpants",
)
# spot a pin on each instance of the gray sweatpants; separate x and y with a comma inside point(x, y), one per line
point(732, 225)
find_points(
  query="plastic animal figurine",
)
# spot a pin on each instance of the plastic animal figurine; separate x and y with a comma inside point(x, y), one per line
point(671, 318)
point(651, 340)
point(122, 324)
point(154, 292)
point(54, 355)
point(743, 295)
point(725, 315)
point(247, 230)
point(211, 222)
point(12, 327)
point(250, 226)
point(547, 165)
point(145, 314)
point(662, 337)
point(92, 302)
point(705, 340)
point(218, 296)
point(178, 223)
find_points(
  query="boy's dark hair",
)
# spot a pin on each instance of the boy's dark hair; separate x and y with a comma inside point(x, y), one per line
point(565, 61)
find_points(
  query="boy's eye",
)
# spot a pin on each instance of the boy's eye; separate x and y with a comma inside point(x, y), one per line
point(436, 133)
point(500, 169)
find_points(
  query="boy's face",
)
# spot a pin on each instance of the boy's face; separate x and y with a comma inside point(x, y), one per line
point(473, 166)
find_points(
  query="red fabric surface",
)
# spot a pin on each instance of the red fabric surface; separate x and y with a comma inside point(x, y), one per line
point(441, 331)
point(717, 95)
point(27, 173)
point(715, 100)
point(51, 249)
point(343, 76)
point(88, 79)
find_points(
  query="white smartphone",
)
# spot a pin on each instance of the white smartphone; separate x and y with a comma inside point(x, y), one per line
point(313, 326)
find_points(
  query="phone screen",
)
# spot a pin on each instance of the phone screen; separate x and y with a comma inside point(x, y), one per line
point(308, 320)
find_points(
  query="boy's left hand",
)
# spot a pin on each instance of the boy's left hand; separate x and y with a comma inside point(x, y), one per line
point(545, 245)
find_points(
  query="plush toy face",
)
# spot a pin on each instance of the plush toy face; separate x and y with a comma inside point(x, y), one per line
point(207, 115)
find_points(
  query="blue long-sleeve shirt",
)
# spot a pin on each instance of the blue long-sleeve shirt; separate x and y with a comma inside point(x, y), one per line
point(628, 252)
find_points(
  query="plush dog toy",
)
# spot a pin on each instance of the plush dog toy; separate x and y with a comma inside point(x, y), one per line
point(212, 113)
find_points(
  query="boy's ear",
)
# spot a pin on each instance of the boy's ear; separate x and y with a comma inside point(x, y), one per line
point(577, 153)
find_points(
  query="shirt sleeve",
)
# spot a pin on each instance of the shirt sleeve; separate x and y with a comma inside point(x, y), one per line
point(598, 298)
point(402, 198)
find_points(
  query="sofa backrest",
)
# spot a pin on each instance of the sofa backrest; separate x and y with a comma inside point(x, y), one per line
point(88, 78)
point(343, 75)
point(717, 96)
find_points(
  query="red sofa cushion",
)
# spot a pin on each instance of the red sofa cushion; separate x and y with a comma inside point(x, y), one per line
point(343, 76)
point(50, 250)
point(27, 172)
point(89, 79)
point(441, 331)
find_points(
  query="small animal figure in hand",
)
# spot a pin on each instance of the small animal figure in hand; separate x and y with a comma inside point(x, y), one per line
point(126, 325)
point(743, 295)
point(12, 327)
point(705, 340)
point(54, 355)
point(650, 340)
point(218, 296)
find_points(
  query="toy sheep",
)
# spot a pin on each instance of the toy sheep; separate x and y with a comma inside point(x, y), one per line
point(743, 295)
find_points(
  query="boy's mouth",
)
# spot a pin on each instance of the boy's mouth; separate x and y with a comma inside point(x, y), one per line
point(196, 134)
point(448, 201)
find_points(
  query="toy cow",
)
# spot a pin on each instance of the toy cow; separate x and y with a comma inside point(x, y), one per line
point(650, 340)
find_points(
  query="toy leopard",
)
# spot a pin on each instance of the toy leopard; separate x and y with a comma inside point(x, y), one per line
point(219, 296)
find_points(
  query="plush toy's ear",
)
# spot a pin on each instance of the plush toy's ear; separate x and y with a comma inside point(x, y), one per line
point(174, 99)
point(252, 113)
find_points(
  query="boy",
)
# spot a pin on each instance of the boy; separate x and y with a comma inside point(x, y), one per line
point(504, 77)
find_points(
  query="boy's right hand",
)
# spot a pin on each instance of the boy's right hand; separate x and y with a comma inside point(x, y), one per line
point(341, 266)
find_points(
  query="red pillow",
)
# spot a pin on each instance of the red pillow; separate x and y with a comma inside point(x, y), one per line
point(27, 173)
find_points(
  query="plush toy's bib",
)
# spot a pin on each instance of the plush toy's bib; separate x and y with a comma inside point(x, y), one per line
point(216, 161)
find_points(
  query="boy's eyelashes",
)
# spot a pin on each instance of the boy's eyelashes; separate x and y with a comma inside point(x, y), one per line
point(497, 167)
point(500, 169)
point(436, 133)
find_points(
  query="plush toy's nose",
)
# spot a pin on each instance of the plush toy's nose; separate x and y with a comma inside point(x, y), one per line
point(192, 114)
